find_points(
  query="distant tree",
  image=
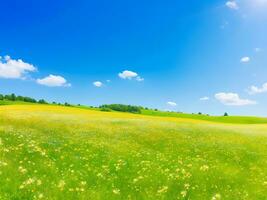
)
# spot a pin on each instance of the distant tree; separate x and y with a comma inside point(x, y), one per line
point(105, 109)
point(42, 101)
point(20, 98)
point(225, 114)
point(13, 97)
point(29, 99)
point(7, 97)
point(200, 113)
point(122, 108)
point(1, 97)
point(67, 104)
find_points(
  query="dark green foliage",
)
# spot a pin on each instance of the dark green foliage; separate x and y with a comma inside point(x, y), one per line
point(67, 104)
point(225, 114)
point(105, 109)
point(122, 108)
point(42, 101)
point(13, 97)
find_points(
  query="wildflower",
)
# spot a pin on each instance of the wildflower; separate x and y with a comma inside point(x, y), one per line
point(216, 197)
point(22, 170)
point(183, 193)
point(61, 185)
point(83, 183)
point(204, 168)
point(116, 191)
point(163, 189)
point(38, 182)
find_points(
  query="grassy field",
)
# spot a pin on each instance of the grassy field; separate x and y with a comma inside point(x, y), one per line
point(56, 152)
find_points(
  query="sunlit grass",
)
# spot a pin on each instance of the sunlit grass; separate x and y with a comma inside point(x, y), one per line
point(52, 152)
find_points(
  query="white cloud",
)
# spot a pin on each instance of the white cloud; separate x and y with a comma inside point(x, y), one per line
point(138, 78)
point(233, 99)
point(257, 90)
point(258, 49)
point(53, 81)
point(245, 59)
point(14, 69)
point(232, 5)
point(126, 74)
point(173, 104)
point(98, 84)
point(204, 98)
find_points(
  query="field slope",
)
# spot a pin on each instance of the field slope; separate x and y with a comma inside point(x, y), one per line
point(56, 152)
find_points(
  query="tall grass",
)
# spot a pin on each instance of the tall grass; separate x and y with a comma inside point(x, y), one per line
point(52, 152)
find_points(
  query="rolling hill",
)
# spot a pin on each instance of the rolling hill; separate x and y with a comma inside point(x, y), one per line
point(57, 152)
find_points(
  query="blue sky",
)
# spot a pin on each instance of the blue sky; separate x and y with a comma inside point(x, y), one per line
point(191, 56)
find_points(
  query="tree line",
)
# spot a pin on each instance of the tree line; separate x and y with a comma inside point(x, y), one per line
point(105, 107)
point(121, 108)
point(13, 97)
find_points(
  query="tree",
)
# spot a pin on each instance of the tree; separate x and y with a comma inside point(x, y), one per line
point(225, 114)
point(67, 104)
point(42, 101)
point(1, 97)
point(13, 97)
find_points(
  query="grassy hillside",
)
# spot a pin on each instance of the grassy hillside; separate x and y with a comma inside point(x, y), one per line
point(56, 152)
point(228, 119)
point(7, 102)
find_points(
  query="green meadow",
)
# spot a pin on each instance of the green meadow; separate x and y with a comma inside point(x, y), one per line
point(57, 152)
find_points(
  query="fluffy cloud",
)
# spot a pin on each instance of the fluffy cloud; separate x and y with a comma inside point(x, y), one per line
point(173, 104)
point(126, 74)
point(232, 5)
point(233, 99)
point(14, 69)
point(257, 90)
point(54, 81)
point(98, 84)
point(245, 59)
point(204, 98)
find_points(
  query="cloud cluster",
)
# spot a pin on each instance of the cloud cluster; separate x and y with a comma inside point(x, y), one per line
point(173, 104)
point(53, 81)
point(126, 74)
point(233, 99)
point(98, 84)
point(14, 69)
point(245, 59)
point(232, 5)
point(257, 90)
